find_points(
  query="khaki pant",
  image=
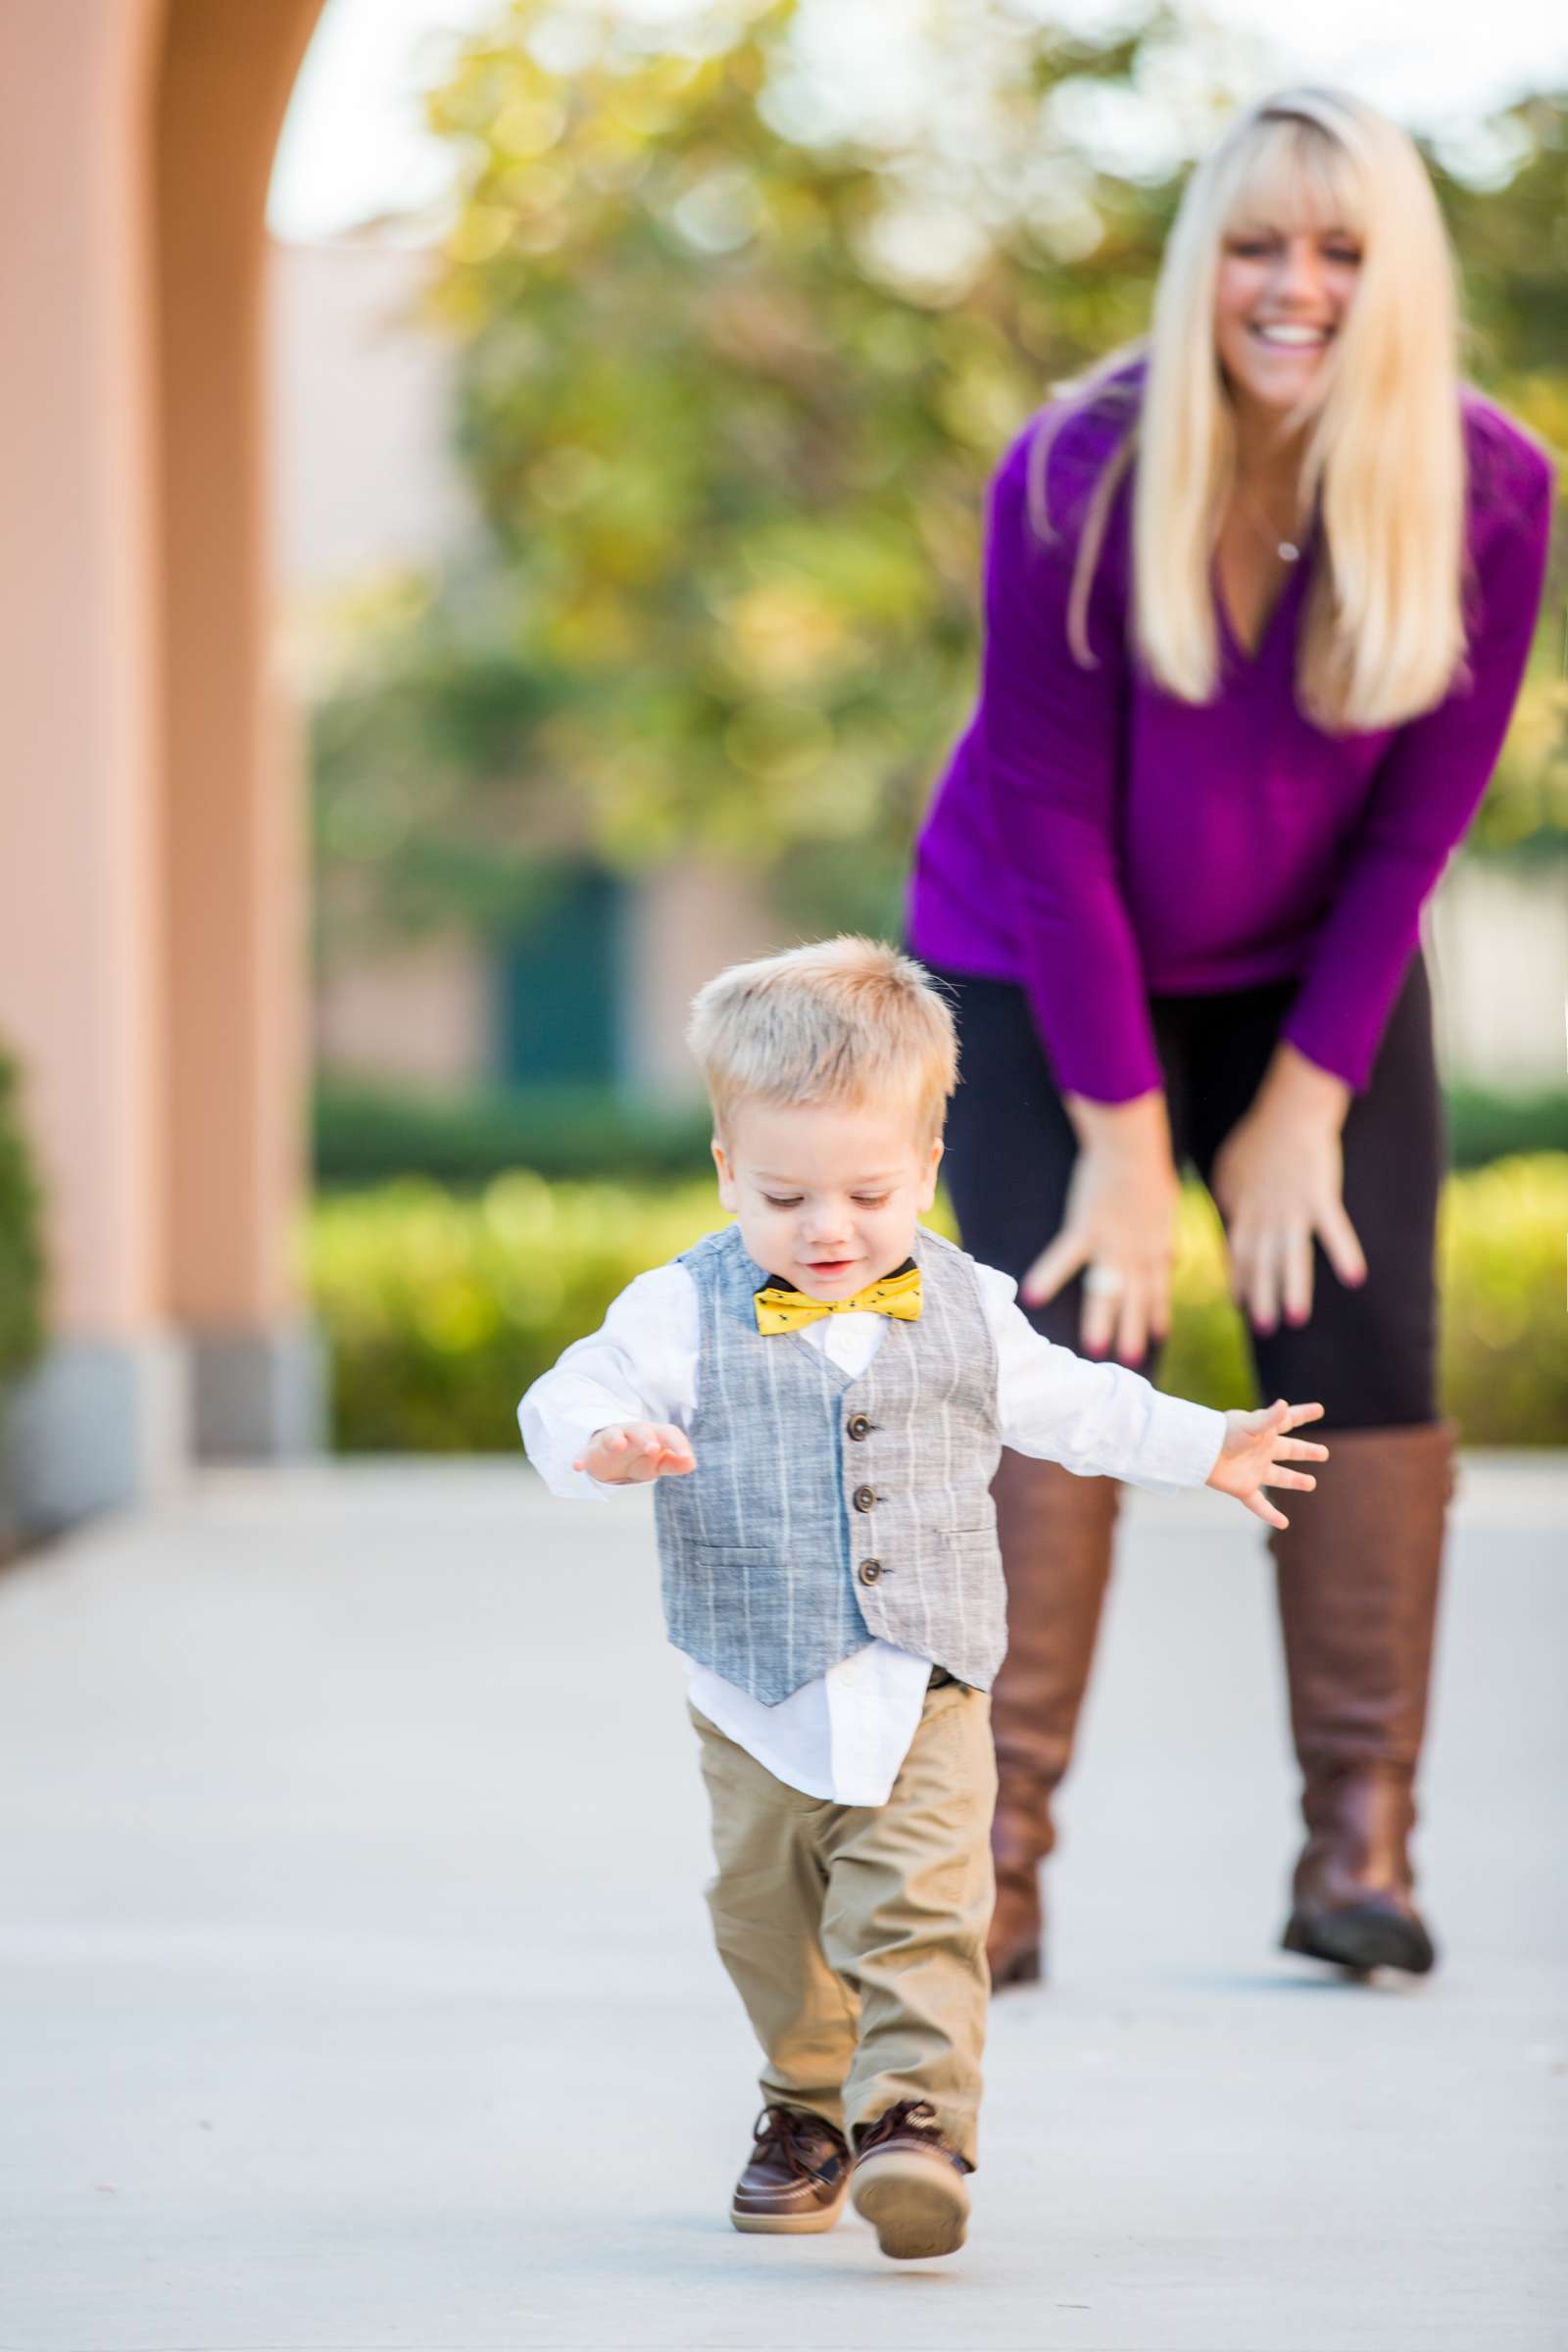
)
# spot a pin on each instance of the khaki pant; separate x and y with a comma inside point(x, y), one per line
point(855, 1934)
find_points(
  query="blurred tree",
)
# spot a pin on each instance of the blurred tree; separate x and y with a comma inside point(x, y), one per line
point(744, 327)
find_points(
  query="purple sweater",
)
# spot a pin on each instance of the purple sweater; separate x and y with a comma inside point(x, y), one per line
point(1098, 842)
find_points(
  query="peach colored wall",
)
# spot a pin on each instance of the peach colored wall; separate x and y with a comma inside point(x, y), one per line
point(236, 941)
point(80, 904)
point(152, 966)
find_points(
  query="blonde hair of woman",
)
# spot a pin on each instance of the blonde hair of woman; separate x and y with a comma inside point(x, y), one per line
point(1383, 460)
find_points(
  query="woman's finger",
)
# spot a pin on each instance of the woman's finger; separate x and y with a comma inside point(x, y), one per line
point(1341, 1245)
point(1053, 1267)
point(1297, 1274)
point(1132, 1325)
point(1242, 1243)
point(1262, 1295)
point(1159, 1305)
point(1101, 1311)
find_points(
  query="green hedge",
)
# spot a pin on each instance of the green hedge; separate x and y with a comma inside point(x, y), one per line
point(21, 1269)
point(441, 1309)
point(368, 1134)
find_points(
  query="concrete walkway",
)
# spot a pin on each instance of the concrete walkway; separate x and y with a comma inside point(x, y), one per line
point(355, 1994)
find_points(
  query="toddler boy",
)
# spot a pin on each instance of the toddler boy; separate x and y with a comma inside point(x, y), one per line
point(821, 1392)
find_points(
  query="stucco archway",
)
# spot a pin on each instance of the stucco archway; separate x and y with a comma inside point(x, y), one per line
point(152, 928)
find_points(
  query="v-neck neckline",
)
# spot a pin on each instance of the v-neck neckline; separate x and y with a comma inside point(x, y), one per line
point(1287, 603)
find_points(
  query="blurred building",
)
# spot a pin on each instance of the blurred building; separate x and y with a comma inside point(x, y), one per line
point(596, 990)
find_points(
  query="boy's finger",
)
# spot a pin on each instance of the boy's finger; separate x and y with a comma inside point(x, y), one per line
point(1264, 1509)
point(1301, 1450)
point(1304, 1413)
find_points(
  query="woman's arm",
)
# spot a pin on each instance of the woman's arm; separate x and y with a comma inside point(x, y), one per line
point(1278, 1176)
point(1052, 737)
point(1426, 792)
point(1052, 733)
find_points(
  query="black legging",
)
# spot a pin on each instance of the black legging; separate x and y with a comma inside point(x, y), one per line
point(1369, 1355)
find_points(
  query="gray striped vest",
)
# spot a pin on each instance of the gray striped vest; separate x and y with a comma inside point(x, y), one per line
point(825, 1510)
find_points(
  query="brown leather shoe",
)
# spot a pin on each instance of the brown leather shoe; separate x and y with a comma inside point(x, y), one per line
point(1056, 1533)
point(796, 2181)
point(1357, 1572)
point(909, 2183)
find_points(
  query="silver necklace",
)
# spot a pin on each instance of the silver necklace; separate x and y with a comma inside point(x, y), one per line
point(1289, 551)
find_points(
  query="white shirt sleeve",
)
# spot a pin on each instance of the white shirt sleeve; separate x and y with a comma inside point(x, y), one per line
point(1097, 1419)
point(639, 1365)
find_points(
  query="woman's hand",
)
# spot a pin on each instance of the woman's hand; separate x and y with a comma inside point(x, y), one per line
point(629, 1453)
point(1255, 1445)
point(1279, 1178)
point(1119, 1224)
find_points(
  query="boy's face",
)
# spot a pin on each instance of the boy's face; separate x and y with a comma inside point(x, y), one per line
point(826, 1195)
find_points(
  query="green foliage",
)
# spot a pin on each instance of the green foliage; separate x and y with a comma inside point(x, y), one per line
point(1505, 1363)
point(441, 1311)
point(366, 1134)
point(22, 1267)
point(1484, 1125)
point(731, 381)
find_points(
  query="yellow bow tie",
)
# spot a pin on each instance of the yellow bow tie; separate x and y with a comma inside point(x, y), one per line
point(897, 1294)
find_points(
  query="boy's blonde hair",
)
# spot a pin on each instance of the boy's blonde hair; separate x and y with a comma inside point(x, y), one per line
point(842, 1020)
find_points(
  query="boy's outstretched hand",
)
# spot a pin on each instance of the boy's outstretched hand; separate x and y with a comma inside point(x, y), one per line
point(1255, 1445)
point(630, 1452)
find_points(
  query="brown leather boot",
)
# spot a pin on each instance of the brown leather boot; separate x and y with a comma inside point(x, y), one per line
point(1056, 1533)
point(1357, 1573)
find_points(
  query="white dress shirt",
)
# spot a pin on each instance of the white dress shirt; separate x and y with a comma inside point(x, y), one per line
point(844, 1735)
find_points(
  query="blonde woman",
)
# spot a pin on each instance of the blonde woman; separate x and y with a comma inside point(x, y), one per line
point(1259, 602)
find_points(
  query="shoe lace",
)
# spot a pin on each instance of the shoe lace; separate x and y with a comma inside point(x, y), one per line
point(788, 2132)
point(910, 2119)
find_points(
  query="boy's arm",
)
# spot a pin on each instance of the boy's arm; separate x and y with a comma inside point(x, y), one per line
point(640, 1365)
point(1097, 1419)
point(1100, 1418)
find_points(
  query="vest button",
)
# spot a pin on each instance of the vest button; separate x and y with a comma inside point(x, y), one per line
point(869, 1571)
point(865, 1498)
point(859, 1426)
